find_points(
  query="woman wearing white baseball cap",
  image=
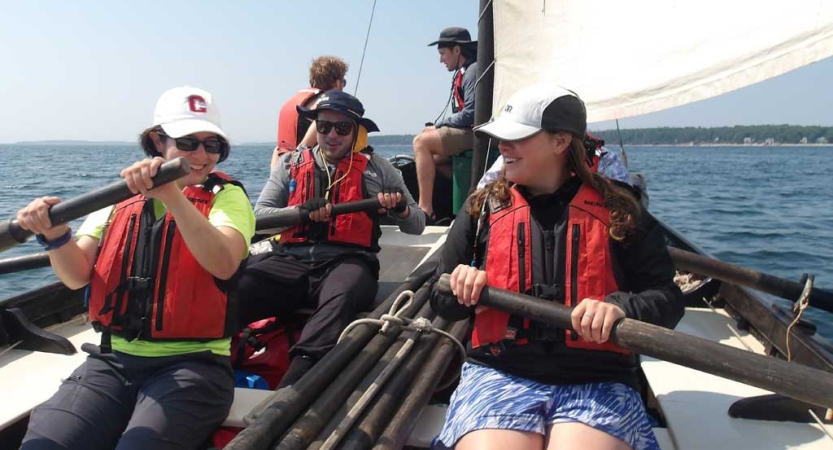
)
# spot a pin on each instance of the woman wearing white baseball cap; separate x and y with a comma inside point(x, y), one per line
point(160, 268)
point(551, 228)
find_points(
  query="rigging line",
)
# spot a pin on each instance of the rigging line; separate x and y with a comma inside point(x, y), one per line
point(366, 39)
point(621, 145)
point(484, 11)
point(484, 73)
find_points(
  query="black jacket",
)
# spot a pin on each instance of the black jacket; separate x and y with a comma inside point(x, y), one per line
point(642, 268)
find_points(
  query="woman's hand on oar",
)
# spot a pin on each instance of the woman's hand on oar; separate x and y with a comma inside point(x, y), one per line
point(34, 217)
point(804, 383)
point(59, 213)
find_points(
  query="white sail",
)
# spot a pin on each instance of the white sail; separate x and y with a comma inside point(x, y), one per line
point(626, 58)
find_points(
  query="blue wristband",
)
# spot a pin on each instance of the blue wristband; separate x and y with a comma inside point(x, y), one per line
point(54, 244)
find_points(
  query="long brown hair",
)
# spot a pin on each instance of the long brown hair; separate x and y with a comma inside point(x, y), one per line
point(623, 206)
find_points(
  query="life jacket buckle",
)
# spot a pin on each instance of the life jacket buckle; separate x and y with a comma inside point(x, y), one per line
point(137, 283)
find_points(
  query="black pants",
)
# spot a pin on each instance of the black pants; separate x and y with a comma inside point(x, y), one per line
point(121, 401)
point(275, 284)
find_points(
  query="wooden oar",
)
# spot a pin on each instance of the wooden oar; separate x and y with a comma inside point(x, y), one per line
point(790, 379)
point(296, 216)
point(790, 290)
point(25, 262)
point(281, 219)
point(11, 234)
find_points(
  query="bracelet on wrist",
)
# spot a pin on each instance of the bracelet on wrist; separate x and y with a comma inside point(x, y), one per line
point(56, 243)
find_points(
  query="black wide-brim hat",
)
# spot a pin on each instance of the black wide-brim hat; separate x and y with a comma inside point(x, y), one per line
point(454, 35)
point(336, 100)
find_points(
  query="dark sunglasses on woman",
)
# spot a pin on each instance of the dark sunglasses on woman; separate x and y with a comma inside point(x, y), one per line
point(189, 144)
point(343, 128)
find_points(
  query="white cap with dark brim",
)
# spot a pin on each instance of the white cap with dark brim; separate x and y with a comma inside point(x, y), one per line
point(536, 108)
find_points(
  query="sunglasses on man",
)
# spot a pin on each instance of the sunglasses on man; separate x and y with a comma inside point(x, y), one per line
point(343, 128)
point(189, 144)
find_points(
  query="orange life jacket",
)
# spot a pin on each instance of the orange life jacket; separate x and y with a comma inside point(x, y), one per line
point(291, 130)
point(146, 284)
point(359, 229)
point(589, 270)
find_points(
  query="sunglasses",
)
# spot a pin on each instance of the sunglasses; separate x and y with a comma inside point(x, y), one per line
point(189, 144)
point(343, 128)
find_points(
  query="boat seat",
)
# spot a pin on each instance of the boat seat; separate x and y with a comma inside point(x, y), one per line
point(695, 404)
point(245, 400)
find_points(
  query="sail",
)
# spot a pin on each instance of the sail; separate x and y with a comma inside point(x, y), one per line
point(626, 58)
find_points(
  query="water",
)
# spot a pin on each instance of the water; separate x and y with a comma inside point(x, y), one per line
point(765, 208)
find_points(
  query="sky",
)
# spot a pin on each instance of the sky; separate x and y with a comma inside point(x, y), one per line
point(93, 71)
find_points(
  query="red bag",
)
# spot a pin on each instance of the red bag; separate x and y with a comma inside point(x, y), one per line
point(262, 348)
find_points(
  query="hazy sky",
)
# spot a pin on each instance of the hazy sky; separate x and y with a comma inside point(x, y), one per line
point(78, 70)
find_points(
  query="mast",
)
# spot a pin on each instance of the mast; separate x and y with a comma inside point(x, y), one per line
point(485, 85)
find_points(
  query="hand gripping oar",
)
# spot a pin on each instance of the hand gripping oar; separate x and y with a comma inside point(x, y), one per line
point(803, 383)
point(11, 234)
point(790, 290)
point(289, 217)
point(296, 216)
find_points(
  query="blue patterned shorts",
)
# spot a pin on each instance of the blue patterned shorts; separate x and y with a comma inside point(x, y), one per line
point(490, 399)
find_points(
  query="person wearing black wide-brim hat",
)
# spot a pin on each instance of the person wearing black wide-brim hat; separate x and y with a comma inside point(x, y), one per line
point(329, 264)
point(449, 136)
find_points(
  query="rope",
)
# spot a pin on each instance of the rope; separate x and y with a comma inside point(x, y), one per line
point(366, 39)
point(482, 13)
point(621, 144)
point(9, 348)
point(421, 324)
point(798, 309)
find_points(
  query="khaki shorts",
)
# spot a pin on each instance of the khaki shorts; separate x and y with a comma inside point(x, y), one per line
point(456, 140)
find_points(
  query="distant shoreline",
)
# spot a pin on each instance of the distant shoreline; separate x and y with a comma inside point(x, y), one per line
point(612, 144)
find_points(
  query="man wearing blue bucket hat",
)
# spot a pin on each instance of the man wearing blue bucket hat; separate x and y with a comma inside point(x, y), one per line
point(330, 264)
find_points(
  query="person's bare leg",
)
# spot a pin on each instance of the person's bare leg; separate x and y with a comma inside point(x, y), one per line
point(443, 165)
point(426, 145)
point(500, 439)
point(578, 436)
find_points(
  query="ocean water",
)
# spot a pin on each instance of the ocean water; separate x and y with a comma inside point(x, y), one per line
point(765, 208)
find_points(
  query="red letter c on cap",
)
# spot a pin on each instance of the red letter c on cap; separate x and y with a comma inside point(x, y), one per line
point(196, 104)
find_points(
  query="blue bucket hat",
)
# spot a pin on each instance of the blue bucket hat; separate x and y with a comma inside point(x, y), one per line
point(336, 100)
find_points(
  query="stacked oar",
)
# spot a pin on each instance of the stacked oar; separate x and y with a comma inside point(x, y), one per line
point(400, 367)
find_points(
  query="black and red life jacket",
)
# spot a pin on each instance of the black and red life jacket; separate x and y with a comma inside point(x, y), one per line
point(147, 285)
point(457, 91)
point(360, 229)
point(589, 269)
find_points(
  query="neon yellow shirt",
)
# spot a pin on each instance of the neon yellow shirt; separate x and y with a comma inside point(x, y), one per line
point(230, 208)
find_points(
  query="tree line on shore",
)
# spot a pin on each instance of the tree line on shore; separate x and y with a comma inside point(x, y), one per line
point(739, 134)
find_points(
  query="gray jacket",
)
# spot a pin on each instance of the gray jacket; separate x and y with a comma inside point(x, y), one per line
point(464, 118)
point(379, 174)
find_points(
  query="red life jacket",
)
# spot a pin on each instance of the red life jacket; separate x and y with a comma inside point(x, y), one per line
point(358, 229)
point(457, 89)
point(146, 284)
point(589, 270)
point(290, 129)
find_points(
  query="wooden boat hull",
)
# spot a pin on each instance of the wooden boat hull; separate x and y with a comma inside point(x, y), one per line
point(739, 307)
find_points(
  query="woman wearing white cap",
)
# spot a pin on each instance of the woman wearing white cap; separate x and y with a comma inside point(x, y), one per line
point(552, 229)
point(160, 269)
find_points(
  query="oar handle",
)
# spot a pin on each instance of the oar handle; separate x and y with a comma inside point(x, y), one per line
point(11, 234)
point(801, 382)
point(790, 290)
point(298, 216)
